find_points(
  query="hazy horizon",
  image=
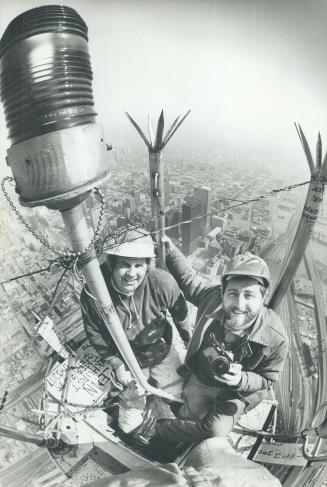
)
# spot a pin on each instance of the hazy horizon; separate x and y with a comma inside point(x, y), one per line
point(246, 68)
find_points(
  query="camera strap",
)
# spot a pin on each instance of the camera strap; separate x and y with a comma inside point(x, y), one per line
point(244, 350)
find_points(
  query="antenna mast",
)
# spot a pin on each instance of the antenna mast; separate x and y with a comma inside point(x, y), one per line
point(155, 146)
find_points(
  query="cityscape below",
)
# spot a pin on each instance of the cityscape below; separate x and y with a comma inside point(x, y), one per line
point(215, 208)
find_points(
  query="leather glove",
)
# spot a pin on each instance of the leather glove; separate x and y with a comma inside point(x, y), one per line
point(146, 431)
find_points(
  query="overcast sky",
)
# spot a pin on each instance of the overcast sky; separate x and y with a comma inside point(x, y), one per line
point(246, 68)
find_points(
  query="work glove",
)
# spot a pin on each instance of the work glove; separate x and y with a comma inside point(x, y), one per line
point(145, 434)
point(123, 375)
point(142, 435)
point(132, 403)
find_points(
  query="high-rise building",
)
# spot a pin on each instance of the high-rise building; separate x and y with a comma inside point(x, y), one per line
point(191, 231)
point(121, 221)
point(203, 195)
point(219, 221)
point(129, 206)
point(137, 195)
point(172, 217)
point(232, 246)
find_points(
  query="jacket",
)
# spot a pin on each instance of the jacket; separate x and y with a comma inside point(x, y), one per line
point(267, 345)
point(144, 318)
point(267, 342)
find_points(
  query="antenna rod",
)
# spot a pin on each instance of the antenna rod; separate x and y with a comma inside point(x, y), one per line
point(157, 174)
point(308, 218)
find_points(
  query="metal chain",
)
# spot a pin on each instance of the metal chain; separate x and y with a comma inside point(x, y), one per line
point(44, 241)
point(4, 399)
point(9, 387)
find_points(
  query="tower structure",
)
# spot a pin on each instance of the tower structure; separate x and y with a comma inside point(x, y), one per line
point(155, 144)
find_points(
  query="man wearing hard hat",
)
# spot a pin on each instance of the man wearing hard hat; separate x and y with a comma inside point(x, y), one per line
point(237, 350)
point(145, 299)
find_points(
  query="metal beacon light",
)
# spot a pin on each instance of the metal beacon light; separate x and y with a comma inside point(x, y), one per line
point(57, 149)
point(57, 152)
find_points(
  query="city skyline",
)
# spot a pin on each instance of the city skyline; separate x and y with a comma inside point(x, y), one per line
point(246, 69)
point(266, 225)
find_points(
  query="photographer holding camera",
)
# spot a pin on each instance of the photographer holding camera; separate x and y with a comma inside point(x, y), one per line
point(236, 353)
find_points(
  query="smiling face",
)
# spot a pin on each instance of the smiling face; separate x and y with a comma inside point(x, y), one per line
point(242, 301)
point(128, 273)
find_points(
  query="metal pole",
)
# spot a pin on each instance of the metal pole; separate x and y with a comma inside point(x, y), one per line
point(29, 437)
point(308, 218)
point(79, 234)
point(158, 201)
point(155, 147)
point(300, 242)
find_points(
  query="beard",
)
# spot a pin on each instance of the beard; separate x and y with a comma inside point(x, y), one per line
point(238, 322)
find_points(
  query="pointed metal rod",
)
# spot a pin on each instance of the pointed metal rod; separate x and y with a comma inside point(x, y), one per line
point(157, 176)
point(318, 151)
point(302, 235)
point(325, 159)
point(175, 129)
point(306, 149)
point(169, 131)
point(138, 128)
point(160, 128)
point(150, 130)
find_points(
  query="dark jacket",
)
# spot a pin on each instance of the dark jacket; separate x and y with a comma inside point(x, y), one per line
point(266, 347)
point(268, 342)
point(144, 317)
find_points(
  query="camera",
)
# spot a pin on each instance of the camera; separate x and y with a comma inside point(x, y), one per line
point(217, 357)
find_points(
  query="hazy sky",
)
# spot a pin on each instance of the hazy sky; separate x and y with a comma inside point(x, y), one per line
point(246, 68)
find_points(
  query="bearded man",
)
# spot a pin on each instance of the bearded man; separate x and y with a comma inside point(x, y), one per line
point(236, 353)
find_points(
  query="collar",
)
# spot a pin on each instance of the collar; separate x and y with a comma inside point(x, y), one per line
point(259, 332)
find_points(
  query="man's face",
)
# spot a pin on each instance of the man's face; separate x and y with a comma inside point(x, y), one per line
point(242, 301)
point(128, 274)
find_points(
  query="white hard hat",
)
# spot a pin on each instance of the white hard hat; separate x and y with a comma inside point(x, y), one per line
point(134, 243)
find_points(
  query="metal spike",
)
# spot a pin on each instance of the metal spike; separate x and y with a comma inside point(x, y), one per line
point(170, 129)
point(139, 130)
point(307, 151)
point(323, 170)
point(298, 132)
point(177, 126)
point(300, 135)
point(150, 130)
point(318, 152)
point(160, 129)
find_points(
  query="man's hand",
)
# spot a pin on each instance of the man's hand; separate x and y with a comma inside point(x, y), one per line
point(132, 403)
point(233, 377)
point(123, 375)
point(169, 246)
point(133, 396)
